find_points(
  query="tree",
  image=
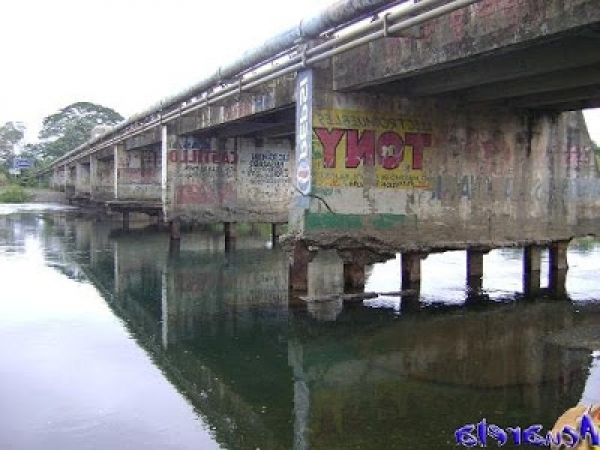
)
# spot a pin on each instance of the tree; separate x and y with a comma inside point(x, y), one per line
point(72, 126)
point(11, 135)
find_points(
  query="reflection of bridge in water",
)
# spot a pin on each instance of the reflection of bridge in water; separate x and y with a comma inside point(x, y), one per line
point(265, 374)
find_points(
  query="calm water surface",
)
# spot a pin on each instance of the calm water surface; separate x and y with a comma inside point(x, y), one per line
point(107, 341)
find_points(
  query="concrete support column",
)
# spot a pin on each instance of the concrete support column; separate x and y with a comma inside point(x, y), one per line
point(230, 236)
point(354, 275)
point(275, 233)
point(558, 267)
point(93, 175)
point(532, 266)
point(117, 155)
point(475, 269)
point(558, 255)
point(411, 270)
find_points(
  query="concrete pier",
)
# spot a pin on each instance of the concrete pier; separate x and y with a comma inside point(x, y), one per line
point(475, 269)
point(411, 271)
point(532, 266)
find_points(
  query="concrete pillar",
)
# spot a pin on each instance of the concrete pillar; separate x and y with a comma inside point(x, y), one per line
point(411, 270)
point(119, 157)
point(275, 233)
point(558, 267)
point(354, 275)
point(230, 236)
point(558, 255)
point(475, 269)
point(298, 277)
point(532, 265)
point(411, 280)
point(93, 175)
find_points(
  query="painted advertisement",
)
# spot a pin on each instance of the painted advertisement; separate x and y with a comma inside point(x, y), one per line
point(206, 176)
point(303, 136)
point(346, 142)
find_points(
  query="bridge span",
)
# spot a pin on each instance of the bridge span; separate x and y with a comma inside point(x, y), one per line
point(377, 127)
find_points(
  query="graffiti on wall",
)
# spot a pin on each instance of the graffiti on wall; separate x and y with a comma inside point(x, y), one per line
point(205, 176)
point(347, 142)
point(197, 157)
point(268, 167)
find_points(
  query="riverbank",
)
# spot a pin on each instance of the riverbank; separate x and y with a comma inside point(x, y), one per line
point(19, 194)
point(46, 196)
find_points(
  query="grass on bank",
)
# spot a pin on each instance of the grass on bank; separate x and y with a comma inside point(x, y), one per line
point(14, 194)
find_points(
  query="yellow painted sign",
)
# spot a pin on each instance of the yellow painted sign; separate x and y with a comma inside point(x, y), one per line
point(347, 142)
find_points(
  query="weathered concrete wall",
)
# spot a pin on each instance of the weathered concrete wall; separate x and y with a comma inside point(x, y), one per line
point(57, 181)
point(82, 177)
point(229, 180)
point(139, 174)
point(483, 27)
point(103, 176)
point(271, 96)
point(403, 175)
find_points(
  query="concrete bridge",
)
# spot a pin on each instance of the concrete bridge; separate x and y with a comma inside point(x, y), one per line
point(377, 127)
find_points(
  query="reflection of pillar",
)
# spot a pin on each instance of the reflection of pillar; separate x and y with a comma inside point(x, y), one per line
point(117, 269)
point(230, 236)
point(126, 220)
point(532, 265)
point(558, 267)
point(175, 230)
point(325, 277)
point(301, 396)
point(164, 310)
point(475, 269)
point(354, 275)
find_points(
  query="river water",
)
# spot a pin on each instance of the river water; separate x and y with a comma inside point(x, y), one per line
point(109, 341)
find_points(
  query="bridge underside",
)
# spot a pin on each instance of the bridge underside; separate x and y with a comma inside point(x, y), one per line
point(555, 74)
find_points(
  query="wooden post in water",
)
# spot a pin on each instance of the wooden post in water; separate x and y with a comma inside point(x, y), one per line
point(126, 220)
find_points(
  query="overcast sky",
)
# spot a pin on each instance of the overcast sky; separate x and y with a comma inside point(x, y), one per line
point(129, 54)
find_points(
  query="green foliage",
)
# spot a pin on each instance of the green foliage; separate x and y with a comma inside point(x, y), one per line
point(70, 127)
point(14, 194)
point(11, 135)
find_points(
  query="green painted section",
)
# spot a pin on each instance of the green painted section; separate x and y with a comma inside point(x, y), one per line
point(330, 221)
point(349, 222)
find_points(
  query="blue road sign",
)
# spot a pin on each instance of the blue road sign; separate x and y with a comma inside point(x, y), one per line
point(21, 163)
